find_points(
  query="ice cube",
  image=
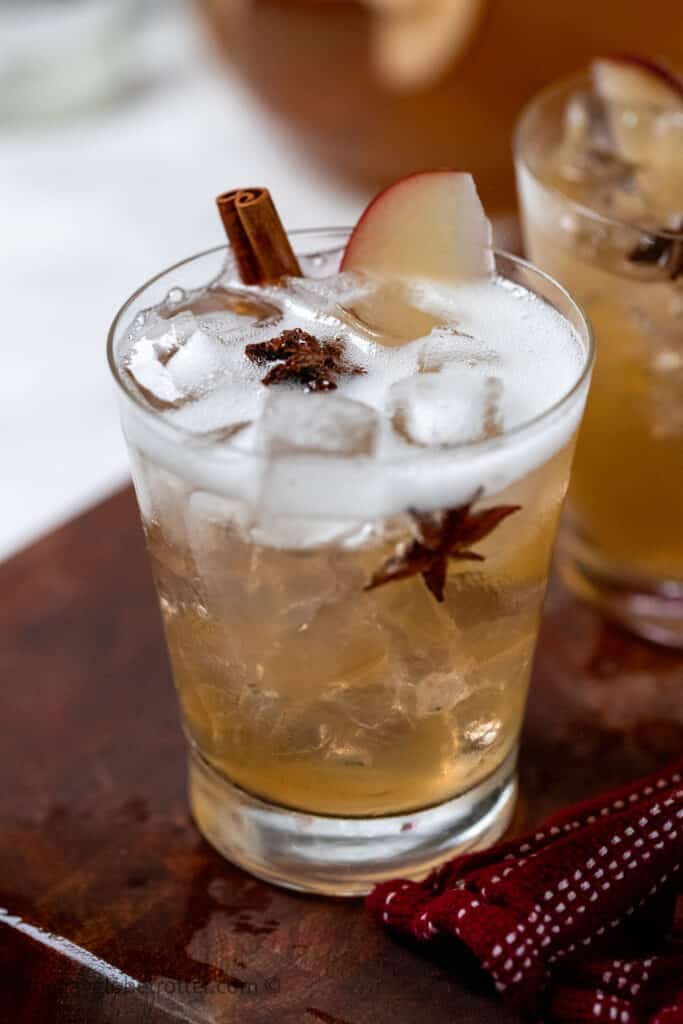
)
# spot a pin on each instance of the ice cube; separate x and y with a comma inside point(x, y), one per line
point(170, 333)
point(585, 123)
point(370, 704)
point(628, 154)
point(230, 307)
point(660, 176)
point(224, 411)
point(438, 692)
point(195, 362)
point(146, 363)
point(439, 408)
point(304, 436)
point(175, 361)
point(148, 357)
point(295, 422)
point(425, 639)
point(445, 347)
point(594, 166)
point(587, 152)
point(324, 295)
point(388, 315)
point(296, 533)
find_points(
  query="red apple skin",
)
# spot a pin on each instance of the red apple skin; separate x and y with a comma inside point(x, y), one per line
point(650, 66)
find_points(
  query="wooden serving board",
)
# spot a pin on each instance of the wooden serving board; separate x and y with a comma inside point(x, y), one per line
point(115, 909)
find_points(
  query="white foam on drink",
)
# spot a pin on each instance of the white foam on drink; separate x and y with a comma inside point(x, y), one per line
point(498, 355)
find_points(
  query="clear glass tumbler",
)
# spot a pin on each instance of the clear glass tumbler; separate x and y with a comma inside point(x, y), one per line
point(338, 735)
point(622, 548)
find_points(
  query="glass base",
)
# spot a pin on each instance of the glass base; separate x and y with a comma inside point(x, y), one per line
point(652, 609)
point(345, 856)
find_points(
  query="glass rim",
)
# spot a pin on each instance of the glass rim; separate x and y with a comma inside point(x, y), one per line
point(520, 148)
point(531, 426)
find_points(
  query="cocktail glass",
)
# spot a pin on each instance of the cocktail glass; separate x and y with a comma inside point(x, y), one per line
point(339, 735)
point(622, 547)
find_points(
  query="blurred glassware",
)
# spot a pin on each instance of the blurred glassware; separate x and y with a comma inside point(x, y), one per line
point(59, 57)
point(382, 87)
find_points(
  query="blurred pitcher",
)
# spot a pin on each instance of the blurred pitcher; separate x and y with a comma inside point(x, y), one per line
point(378, 88)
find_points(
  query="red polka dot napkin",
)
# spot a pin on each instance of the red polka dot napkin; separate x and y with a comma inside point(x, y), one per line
point(575, 919)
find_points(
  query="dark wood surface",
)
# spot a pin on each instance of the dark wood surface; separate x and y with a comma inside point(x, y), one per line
point(114, 908)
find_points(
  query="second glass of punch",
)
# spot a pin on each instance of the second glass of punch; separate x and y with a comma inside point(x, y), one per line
point(600, 172)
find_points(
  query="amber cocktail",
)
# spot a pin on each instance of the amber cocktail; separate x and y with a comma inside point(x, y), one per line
point(350, 532)
point(601, 186)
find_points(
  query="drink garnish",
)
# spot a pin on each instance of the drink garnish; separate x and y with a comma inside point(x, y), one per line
point(429, 225)
point(664, 250)
point(445, 534)
point(256, 235)
point(302, 358)
point(636, 91)
point(632, 80)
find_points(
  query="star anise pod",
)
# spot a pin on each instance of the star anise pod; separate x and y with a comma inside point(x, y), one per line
point(449, 533)
point(303, 358)
point(666, 251)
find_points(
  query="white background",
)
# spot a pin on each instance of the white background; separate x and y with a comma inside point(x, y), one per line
point(89, 209)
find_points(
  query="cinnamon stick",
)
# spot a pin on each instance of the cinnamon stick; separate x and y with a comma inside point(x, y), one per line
point(256, 235)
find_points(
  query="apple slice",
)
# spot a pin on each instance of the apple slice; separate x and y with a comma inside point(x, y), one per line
point(428, 225)
point(660, 174)
point(415, 41)
point(637, 93)
point(637, 82)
